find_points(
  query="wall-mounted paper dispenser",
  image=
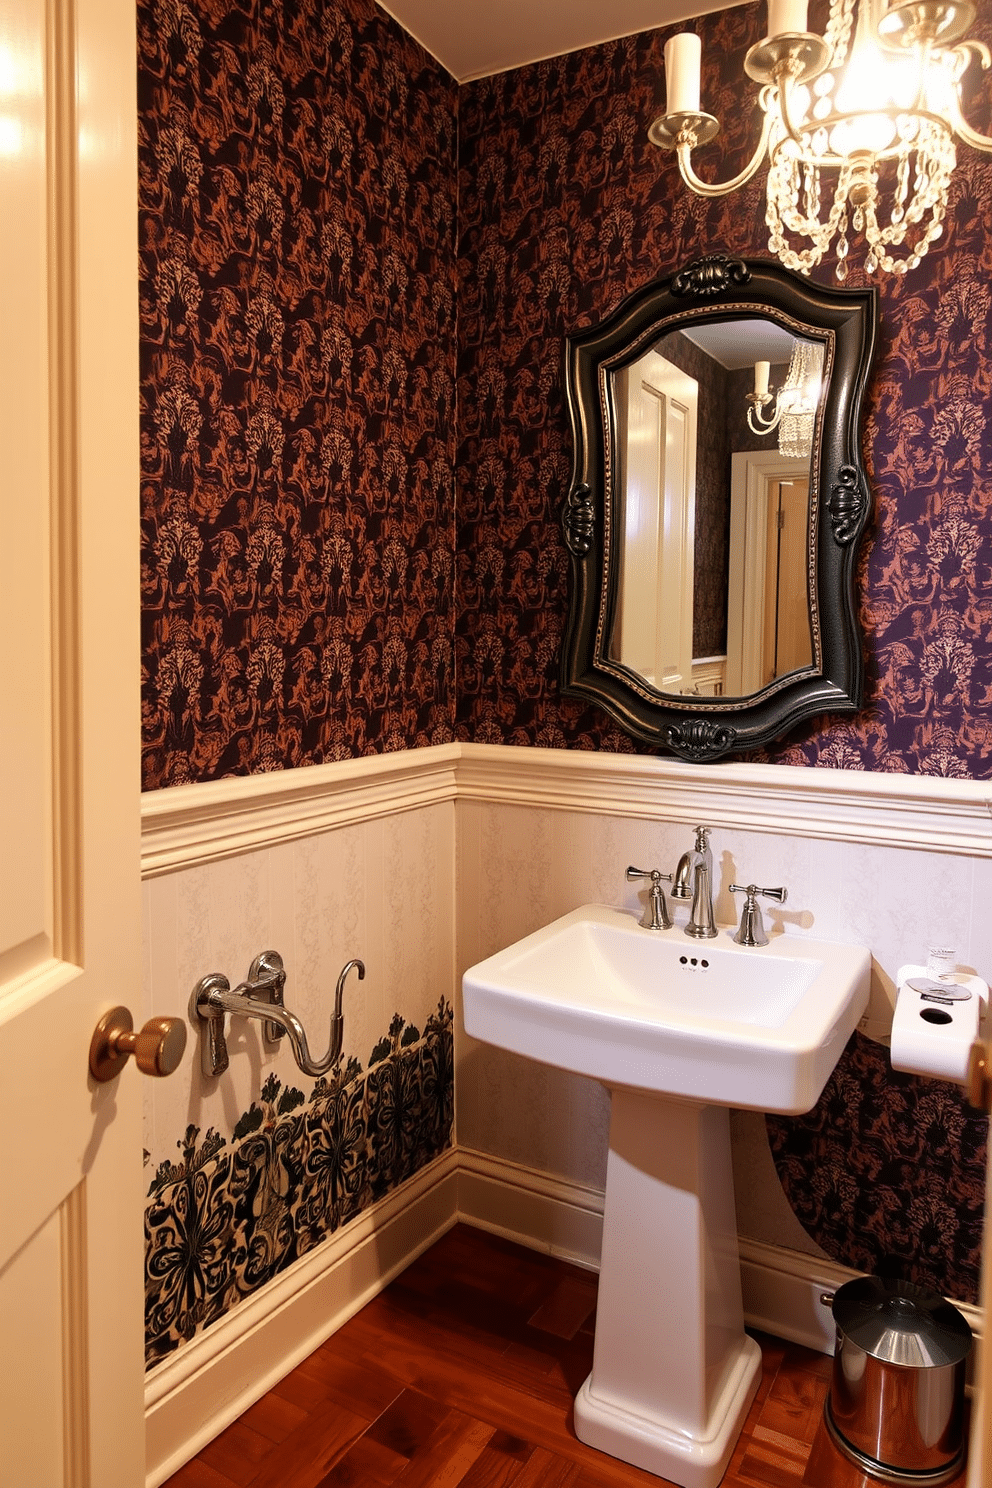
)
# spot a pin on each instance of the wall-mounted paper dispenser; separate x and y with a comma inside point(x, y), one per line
point(937, 1019)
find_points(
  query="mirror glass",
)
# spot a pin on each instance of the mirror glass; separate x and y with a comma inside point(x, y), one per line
point(716, 424)
point(716, 502)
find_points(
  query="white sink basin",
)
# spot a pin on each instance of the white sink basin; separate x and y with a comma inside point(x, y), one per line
point(758, 1028)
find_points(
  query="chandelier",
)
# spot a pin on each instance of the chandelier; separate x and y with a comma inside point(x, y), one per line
point(792, 410)
point(859, 125)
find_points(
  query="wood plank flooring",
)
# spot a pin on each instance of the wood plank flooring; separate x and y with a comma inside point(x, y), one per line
point(462, 1372)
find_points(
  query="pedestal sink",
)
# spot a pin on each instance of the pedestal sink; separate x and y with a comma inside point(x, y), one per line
point(679, 1030)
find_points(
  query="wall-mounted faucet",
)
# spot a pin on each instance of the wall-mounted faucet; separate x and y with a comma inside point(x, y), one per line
point(261, 996)
point(694, 880)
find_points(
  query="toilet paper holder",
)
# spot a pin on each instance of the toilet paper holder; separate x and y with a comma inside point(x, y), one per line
point(936, 1022)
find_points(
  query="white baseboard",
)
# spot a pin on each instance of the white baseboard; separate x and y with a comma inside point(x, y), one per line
point(195, 1394)
point(544, 1213)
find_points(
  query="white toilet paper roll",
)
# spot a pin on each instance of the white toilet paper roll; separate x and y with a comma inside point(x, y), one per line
point(936, 1022)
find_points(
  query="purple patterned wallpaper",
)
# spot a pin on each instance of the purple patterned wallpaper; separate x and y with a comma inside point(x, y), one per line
point(887, 1173)
point(297, 181)
point(565, 208)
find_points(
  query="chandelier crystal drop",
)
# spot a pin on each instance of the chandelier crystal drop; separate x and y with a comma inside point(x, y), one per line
point(859, 126)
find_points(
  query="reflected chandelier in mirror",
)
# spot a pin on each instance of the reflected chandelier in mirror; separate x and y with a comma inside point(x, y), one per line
point(716, 502)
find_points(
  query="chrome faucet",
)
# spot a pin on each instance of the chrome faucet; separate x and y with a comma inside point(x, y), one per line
point(694, 880)
point(261, 997)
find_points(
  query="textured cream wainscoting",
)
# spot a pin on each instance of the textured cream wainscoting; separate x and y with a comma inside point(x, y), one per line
point(380, 889)
point(423, 862)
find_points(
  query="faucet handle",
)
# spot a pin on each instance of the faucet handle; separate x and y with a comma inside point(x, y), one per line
point(751, 931)
point(656, 916)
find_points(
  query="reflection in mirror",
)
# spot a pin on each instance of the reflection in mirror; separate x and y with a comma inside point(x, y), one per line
point(714, 579)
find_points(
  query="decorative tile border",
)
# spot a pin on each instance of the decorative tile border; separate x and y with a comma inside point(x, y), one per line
point(230, 1216)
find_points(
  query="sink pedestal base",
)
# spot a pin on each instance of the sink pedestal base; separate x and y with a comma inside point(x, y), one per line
point(673, 1371)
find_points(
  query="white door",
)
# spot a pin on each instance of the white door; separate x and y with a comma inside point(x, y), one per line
point(70, 1169)
point(659, 523)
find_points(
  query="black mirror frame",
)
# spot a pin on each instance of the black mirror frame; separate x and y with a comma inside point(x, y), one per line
point(698, 728)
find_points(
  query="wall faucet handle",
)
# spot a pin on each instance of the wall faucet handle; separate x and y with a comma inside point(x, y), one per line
point(656, 916)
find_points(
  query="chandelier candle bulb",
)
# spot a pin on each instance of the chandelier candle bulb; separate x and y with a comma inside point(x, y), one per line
point(761, 371)
point(682, 66)
point(786, 17)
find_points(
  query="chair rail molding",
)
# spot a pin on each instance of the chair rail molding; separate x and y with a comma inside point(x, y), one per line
point(187, 824)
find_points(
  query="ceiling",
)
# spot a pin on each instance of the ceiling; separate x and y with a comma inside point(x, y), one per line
point(474, 38)
point(723, 340)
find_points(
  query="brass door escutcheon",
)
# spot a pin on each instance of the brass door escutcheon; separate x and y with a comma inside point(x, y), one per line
point(157, 1048)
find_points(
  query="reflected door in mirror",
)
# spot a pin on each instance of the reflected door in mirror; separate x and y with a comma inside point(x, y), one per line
point(684, 412)
point(768, 602)
point(658, 407)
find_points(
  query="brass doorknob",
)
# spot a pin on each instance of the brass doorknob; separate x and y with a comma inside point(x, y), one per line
point(157, 1048)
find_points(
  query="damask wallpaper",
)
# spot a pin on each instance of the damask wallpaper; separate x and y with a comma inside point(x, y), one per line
point(565, 208)
point(231, 1215)
point(297, 189)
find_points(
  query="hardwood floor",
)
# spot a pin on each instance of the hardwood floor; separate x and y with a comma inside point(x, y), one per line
point(462, 1372)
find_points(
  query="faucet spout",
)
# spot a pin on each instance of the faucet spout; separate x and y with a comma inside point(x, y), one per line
point(682, 884)
point(696, 868)
point(701, 923)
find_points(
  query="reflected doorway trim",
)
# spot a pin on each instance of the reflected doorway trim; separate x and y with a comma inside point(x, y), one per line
point(752, 473)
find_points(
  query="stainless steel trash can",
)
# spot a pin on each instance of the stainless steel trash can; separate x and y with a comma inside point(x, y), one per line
point(896, 1401)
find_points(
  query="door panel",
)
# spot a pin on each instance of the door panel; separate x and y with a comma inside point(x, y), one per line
point(654, 635)
point(70, 1221)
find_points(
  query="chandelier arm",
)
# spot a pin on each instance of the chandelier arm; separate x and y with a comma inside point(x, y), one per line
point(955, 117)
point(721, 188)
point(763, 426)
point(961, 126)
point(784, 79)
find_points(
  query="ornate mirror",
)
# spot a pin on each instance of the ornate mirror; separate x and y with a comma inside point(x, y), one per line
point(716, 503)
